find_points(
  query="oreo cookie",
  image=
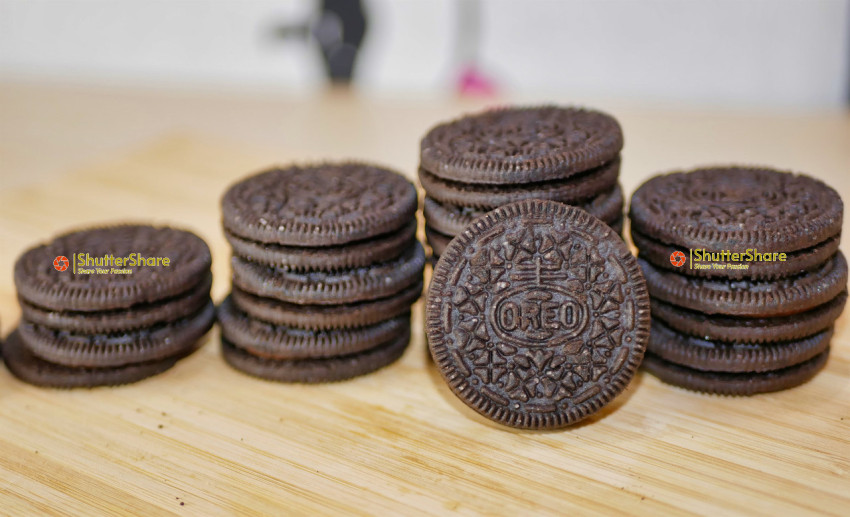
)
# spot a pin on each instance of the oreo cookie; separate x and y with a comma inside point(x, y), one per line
point(761, 298)
point(325, 267)
point(321, 205)
point(521, 145)
point(148, 264)
point(312, 371)
point(273, 341)
point(752, 329)
point(452, 219)
point(324, 317)
point(722, 383)
point(110, 305)
point(537, 315)
point(737, 208)
point(733, 357)
point(575, 190)
point(745, 276)
point(330, 287)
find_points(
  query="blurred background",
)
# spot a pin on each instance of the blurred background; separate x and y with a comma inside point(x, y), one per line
point(764, 53)
point(692, 82)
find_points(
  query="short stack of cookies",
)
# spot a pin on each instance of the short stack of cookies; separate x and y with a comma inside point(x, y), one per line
point(326, 266)
point(109, 306)
point(739, 324)
point(474, 164)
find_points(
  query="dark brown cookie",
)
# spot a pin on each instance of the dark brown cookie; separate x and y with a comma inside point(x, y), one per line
point(754, 298)
point(749, 330)
point(577, 189)
point(322, 317)
point(321, 205)
point(118, 349)
point(734, 383)
point(55, 286)
point(119, 320)
point(33, 370)
point(537, 315)
point(330, 369)
point(736, 208)
point(327, 258)
point(322, 288)
point(521, 145)
point(719, 356)
point(796, 262)
point(452, 219)
point(282, 342)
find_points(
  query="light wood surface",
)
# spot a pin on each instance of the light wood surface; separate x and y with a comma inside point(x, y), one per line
point(203, 439)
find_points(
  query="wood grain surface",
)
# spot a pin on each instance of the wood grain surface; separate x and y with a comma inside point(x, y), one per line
point(203, 439)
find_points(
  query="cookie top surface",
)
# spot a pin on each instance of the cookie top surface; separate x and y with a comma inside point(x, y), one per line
point(521, 145)
point(537, 315)
point(319, 205)
point(737, 208)
point(69, 285)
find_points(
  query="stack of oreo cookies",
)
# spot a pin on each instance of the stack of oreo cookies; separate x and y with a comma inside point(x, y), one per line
point(109, 306)
point(745, 276)
point(480, 162)
point(326, 266)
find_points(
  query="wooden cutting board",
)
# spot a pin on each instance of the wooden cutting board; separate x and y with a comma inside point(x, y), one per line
point(203, 439)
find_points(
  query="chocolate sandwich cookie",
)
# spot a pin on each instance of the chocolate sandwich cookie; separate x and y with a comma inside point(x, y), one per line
point(322, 317)
point(452, 219)
point(521, 145)
point(537, 315)
point(737, 208)
point(283, 342)
point(329, 369)
point(749, 330)
point(349, 255)
point(719, 356)
point(577, 189)
point(29, 368)
point(117, 349)
point(754, 298)
point(795, 263)
point(119, 320)
point(321, 205)
point(161, 263)
point(323, 287)
point(723, 383)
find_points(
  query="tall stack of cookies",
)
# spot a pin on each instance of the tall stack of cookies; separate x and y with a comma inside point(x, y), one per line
point(326, 266)
point(745, 276)
point(480, 162)
point(110, 305)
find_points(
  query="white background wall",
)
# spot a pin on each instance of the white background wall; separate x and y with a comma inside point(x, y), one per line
point(734, 52)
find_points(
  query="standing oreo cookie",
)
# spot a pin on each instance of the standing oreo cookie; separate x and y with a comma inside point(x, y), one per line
point(745, 276)
point(109, 305)
point(484, 161)
point(325, 269)
point(537, 315)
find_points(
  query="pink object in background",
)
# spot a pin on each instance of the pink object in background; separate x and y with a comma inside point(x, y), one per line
point(473, 83)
